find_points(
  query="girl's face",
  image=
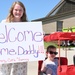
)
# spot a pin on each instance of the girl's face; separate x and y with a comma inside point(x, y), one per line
point(52, 53)
point(18, 11)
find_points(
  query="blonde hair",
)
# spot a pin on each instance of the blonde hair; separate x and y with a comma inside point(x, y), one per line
point(10, 16)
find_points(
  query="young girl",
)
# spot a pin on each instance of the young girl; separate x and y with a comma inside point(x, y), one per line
point(17, 13)
point(49, 66)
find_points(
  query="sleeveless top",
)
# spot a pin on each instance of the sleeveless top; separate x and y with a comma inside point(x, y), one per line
point(51, 65)
point(3, 21)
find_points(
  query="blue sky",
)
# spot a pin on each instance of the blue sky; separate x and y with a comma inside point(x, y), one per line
point(34, 8)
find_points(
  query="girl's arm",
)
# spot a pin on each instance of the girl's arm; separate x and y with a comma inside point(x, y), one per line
point(43, 68)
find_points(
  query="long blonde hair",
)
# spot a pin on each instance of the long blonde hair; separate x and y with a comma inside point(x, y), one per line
point(10, 16)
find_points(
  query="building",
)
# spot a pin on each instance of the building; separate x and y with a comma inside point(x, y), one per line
point(61, 16)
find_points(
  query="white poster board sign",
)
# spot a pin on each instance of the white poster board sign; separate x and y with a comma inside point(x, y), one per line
point(21, 42)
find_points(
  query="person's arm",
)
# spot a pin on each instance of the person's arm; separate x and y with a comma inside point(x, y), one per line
point(48, 74)
point(43, 68)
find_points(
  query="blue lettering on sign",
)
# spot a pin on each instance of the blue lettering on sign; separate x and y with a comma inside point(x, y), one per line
point(4, 38)
point(20, 51)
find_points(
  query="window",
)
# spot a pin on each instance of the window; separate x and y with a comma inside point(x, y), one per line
point(59, 25)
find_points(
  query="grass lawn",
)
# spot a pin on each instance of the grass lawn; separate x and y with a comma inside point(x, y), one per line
point(46, 44)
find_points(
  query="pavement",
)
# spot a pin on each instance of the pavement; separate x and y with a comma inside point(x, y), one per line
point(69, 53)
point(32, 67)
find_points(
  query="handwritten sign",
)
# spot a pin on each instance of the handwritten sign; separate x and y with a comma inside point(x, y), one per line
point(21, 42)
